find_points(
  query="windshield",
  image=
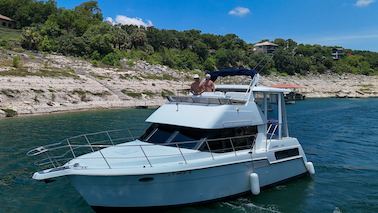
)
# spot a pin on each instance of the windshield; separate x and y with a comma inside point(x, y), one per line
point(192, 138)
point(165, 134)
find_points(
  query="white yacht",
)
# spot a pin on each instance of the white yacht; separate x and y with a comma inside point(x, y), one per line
point(213, 146)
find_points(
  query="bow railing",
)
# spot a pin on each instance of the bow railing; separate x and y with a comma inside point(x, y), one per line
point(57, 154)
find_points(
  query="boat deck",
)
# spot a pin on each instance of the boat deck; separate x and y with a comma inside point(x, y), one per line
point(104, 151)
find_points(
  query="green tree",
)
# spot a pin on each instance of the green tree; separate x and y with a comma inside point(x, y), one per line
point(31, 38)
point(284, 62)
point(201, 49)
point(99, 38)
point(112, 59)
point(209, 64)
point(188, 60)
point(69, 44)
point(138, 38)
point(212, 41)
point(120, 39)
point(86, 14)
point(28, 12)
point(229, 58)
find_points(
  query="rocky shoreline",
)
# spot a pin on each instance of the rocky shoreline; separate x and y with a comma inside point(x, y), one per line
point(330, 85)
point(54, 83)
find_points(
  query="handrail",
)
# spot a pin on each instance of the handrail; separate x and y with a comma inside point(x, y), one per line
point(149, 162)
point(206, 100)
point(273, 133)
point(181, 153)
point(58, 155)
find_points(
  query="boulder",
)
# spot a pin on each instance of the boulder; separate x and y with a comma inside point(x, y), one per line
point(2, 114)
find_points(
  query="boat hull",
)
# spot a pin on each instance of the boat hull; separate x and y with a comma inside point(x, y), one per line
point(184, 187)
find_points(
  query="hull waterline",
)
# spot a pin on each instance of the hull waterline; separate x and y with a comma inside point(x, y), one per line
point(182, 188)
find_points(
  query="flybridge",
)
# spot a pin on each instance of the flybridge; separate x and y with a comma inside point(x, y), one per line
point(206, 100)
point(225, 94)
point(221, 97)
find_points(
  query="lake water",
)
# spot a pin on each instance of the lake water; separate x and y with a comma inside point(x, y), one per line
point(340, 136)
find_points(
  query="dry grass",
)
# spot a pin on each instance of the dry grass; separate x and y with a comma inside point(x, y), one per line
point(45, 72)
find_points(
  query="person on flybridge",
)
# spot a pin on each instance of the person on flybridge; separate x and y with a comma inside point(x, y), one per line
point(195, 87)
point(207, 85)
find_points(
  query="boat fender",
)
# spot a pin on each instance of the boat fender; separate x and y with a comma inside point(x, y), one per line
point(255, 184)
point(310, 168)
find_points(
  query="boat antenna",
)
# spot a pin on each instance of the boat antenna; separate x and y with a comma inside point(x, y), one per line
point(262, 60)
point(256, 78)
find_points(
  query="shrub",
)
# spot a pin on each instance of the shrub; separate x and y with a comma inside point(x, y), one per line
point(149, 93)
point(16, 62)
point(95, 63)
point(166, 93)
point(112, 59)
point(95, 55)
point(9, 92)
point(131, 93)
point(10, 112)
point(82, 94)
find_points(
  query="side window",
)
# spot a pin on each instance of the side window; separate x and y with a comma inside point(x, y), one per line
point(228, 140)
point(286, 153)
point(273, 107)
point(157, 134)
point(219, 141)
point(245, 137)
point(148, 132)
point(259, 100)
point(170, 135)
point(161, 135)
point(188, 137)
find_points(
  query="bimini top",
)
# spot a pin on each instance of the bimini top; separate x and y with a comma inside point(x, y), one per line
point(232, 72)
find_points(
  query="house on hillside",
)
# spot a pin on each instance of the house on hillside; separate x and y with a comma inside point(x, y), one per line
point(265, 47)
point(337, 53)
point(7, 22)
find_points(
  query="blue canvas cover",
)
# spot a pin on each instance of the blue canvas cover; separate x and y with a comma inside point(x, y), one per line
point(232, 72)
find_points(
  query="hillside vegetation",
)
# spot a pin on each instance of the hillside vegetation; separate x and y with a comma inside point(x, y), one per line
point(82, 32)
point(9, 37)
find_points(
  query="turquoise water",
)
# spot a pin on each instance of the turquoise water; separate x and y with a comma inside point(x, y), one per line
point(340, 136)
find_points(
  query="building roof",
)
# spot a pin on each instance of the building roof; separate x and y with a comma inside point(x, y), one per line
point(5, 18)
point(265, 43)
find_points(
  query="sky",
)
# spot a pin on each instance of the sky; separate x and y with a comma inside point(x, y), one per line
point(348, 23)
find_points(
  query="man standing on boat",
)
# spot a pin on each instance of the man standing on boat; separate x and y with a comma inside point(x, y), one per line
point(195, 87)
point(207, 85)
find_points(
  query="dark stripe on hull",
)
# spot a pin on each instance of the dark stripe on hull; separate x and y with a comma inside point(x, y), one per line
point(165, 208)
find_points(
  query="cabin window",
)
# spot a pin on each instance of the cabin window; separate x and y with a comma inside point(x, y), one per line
point(170, 135)
point(230, 139)
point(259, 100)
point(160, 135)
point(219, 140)
point(273, 107)
point(286, 153)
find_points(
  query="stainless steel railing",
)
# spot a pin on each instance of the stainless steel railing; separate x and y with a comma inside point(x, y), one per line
point(270, 133)
point(57, 154)
point(205, 100)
